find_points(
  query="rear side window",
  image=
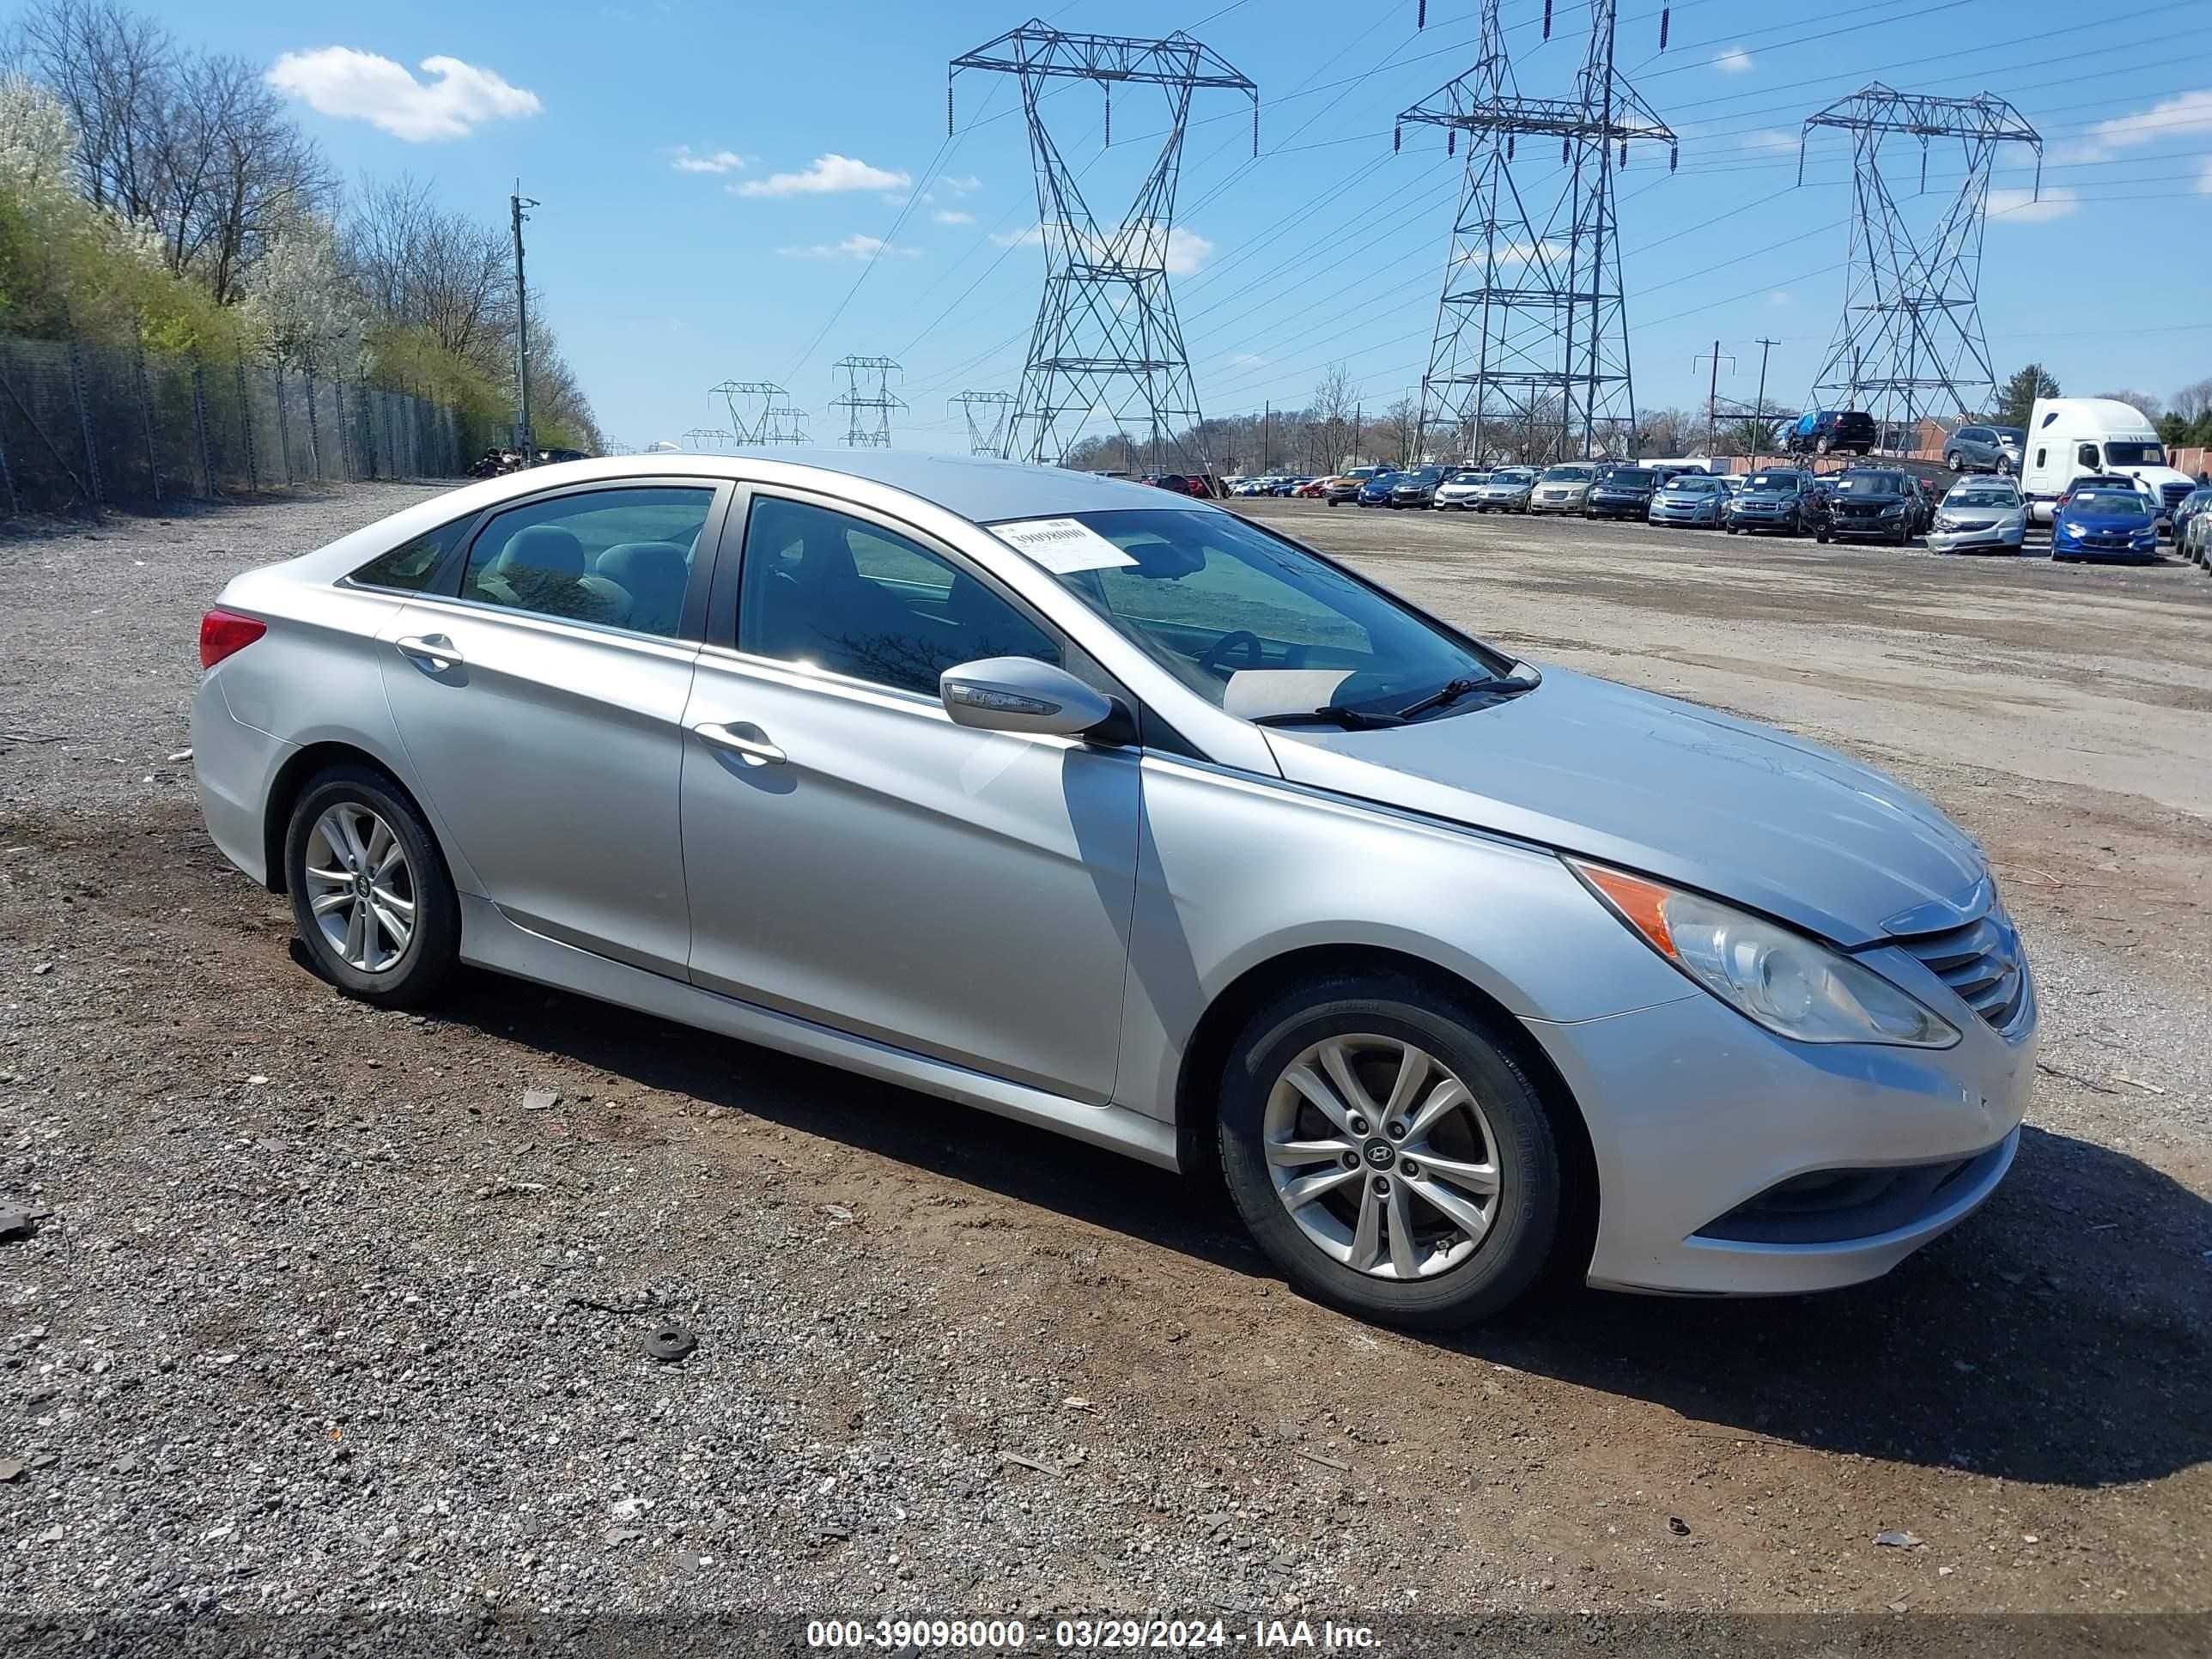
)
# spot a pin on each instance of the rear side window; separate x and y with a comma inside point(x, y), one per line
point(618, 558)
point(412, 566)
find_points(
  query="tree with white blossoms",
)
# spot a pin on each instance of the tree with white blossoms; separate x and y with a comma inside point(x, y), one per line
point(299, 307)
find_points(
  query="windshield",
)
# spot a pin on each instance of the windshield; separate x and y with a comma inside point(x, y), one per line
point(1773, 481)
point(1463, 475)
point(1872, 484)
point(1983, 496)
point(1630, 478)
point(2109, 501)
point(2009, 435)
point(1692, 483)
point(1422, 475)
point(2133, 454)
point(1257, 625)
point(1513, 475)
point(1567, 475)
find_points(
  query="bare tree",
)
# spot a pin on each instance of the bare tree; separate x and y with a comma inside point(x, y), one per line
point(1336, 400)
point(112, 69)
point(1399, 431)
point(422, 265)
point(2192, 402)
point(2149, 407)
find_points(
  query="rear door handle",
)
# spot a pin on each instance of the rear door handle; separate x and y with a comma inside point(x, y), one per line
point(756, 752)
point(433, 649)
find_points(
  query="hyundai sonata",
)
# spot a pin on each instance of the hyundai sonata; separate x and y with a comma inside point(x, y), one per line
point(1117, 814)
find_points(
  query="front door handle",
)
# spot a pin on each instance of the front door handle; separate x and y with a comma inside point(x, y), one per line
point(755, 751)
point(433, 648)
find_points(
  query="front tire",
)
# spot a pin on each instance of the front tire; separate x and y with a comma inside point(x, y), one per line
point(1447, 1210)
point(371, 895)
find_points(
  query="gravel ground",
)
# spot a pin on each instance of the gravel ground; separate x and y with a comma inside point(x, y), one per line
point(328, 1316)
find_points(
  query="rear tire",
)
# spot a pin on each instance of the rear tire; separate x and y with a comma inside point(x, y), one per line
point(371, 895)
point(1463, 1258)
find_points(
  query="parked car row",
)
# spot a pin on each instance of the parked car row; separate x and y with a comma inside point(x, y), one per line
point(2192, 528)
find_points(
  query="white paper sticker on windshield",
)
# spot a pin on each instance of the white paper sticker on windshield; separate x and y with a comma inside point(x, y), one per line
point(1062, 546)
point(1255, 691)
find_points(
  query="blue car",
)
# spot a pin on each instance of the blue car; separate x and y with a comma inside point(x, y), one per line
point(1376, 492)
point(2104, 522)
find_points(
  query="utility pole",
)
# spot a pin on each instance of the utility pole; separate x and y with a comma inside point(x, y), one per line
point(1712, 390)
point(1266, 435)
point(526, 440)
point(1358, 409)
point(1758, 409)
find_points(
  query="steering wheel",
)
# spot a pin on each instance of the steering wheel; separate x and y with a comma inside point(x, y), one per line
point(1240, 639)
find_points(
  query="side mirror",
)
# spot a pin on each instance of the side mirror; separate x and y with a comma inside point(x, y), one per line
point(1020, 694)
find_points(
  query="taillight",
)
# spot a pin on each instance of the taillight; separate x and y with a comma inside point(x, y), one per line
point(225, 632)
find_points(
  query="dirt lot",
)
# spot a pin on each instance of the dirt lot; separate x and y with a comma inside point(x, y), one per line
point(324, 1318)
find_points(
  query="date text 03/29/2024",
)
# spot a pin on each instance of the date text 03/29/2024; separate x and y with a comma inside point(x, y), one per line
point(1077, 1635)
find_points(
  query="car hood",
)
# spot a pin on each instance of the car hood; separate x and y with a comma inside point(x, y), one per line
point(2138, 521)
point(1732, 808)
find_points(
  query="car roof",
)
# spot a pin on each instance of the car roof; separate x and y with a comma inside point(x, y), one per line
point(976, 488)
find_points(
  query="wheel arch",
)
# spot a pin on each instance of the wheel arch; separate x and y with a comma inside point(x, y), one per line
point(1197, 1102)
point(300, 768)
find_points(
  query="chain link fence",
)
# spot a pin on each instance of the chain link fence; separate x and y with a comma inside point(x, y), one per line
point(86, 427)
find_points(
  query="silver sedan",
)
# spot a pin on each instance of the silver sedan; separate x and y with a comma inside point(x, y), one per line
point(1123, 815)
point(1979, 515)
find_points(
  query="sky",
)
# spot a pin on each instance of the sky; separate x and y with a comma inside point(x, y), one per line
point(752, 191)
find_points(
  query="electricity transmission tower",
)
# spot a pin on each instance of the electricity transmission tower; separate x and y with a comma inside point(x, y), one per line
point(990, 430)
point(1531, 342)
point(783, 424)
point(861, 403)
point(1107, 342)
point(707, 439)
point(1911, 338)
point(750, 403)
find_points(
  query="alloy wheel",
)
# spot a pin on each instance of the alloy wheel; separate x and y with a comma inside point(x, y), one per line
point(1383, 1156)
point(361, 887)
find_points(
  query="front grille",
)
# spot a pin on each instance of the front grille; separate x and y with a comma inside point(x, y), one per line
point(1981, 961)
point(2175, 492)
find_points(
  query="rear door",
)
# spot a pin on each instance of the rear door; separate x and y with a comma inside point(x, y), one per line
point(856, 859)
point(540, 696)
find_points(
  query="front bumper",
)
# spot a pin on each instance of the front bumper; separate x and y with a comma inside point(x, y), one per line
point(1661, 513)
point(1625, 507)
point(1752, 516)
point(1503, 503)
point(1694, 1112)
point(2072, 547)
point(1574, 503)
point(2001, 539)
point(1867, 529)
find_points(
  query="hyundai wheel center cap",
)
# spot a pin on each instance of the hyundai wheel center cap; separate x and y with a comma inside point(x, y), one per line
point(1380, 1154)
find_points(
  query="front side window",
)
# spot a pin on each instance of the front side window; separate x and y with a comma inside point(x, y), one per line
point(412, 566)
point(2087, 455)
point(618, 558)
point(1256, 625)
point(841, 594)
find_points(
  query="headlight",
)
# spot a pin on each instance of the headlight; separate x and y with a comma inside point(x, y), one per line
point(1893, 510)
point(1772, 976)
point(1944, 521)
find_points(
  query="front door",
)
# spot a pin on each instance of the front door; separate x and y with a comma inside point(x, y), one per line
point(855, 857)
point(541, 707)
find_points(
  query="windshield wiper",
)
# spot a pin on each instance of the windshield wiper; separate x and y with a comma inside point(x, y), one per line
point(1452, 691)
point(1333, 714)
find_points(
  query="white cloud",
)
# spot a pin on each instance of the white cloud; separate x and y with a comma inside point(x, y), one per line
point(853, 247)
point(2020, 207)
point(1734, 61)
point(1777, 296)
point(1248, 359)
point(1185, 251)
point(828, 175)
point(1772, 140)
point(2182, 116)
point(359, 85)
point(1519, 253)
point(960, 185)
point(685, 160)
point(952, 216)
